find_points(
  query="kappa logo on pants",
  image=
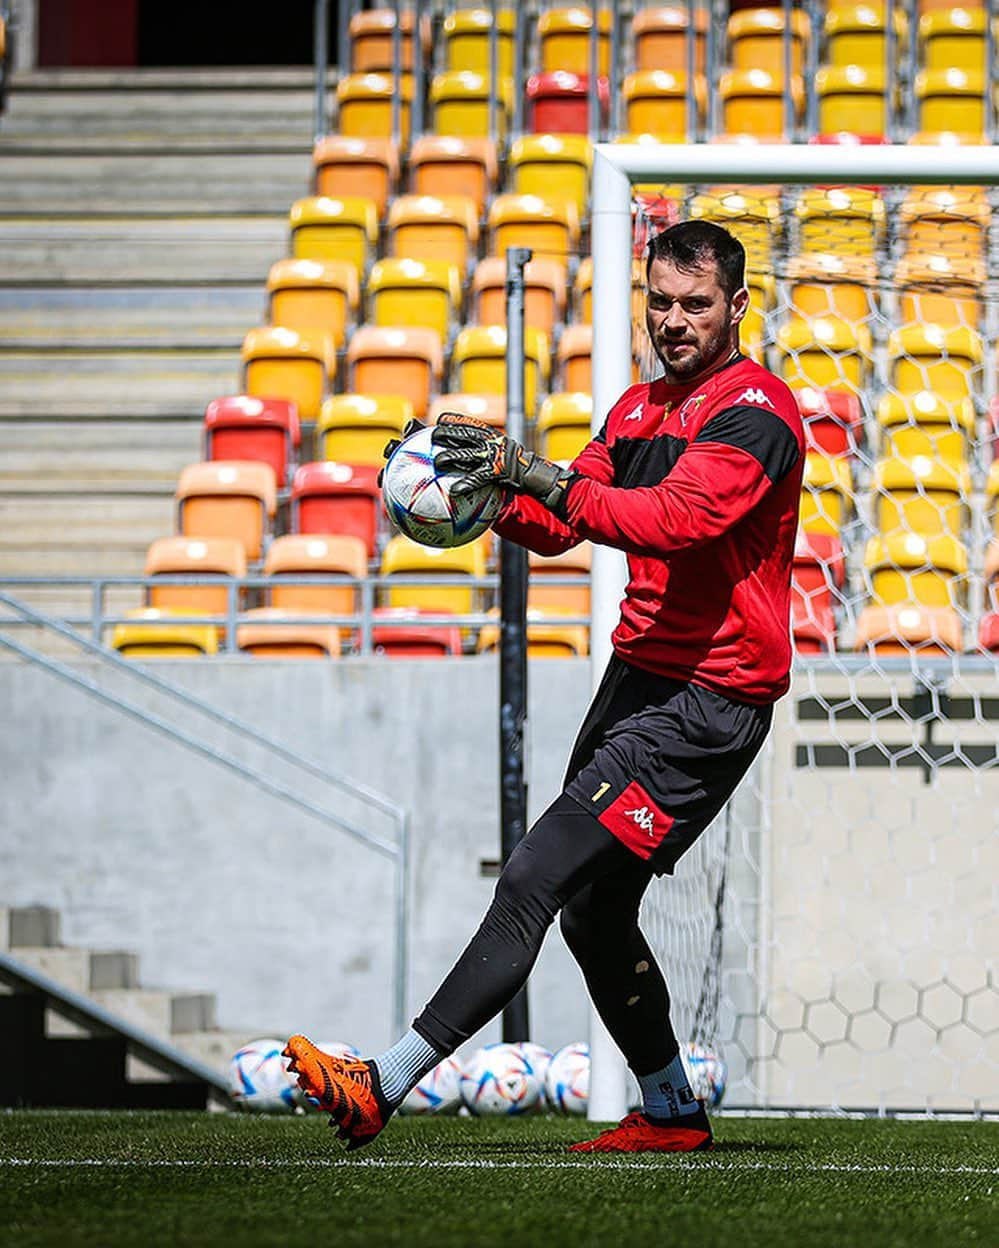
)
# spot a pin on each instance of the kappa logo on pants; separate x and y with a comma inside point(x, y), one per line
point(636, 820)
point(644, 817)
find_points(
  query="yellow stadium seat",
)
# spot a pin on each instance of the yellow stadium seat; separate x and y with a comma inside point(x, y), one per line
point(655, 102)
point(453, 566)
point(909, 628)
point(549, 227)
point(824, 352)
point(845, 220)
point(353, 428)
point(226, 498)
point(314, 297)
point(221, 557)
point(407, 362)
point(151, 633)
point(825, 283)
point(855, 35)
point(827, 494)
point(921, 495)
point(544, 293)
point(933, 357)
point(945, 220)
point(460, 103)
point(276, 633)
point(319, 556)
point(545, 591)
point(454, 165)
point(365, 108)
point(564, 36)
point(753, 102)
point(660, 37)
point(752, 330)
point(753, 216)
point(467, 40)
point(756, 38)
point(852, 97)
point(938, 289)
point(282, 363)
point(951, 99)
point(434, 227)
point(415, 292)
point(574, 359)
point(992, 495)
point(926, 424)
point(371, 34)
point(909, 568)
point(360, 168)
point(563, 426)
point(552, 165)
point(490, 408)
point(547, 637)
point(334, 229)
point(953, 38)
point(582, 291)
point(478, 362)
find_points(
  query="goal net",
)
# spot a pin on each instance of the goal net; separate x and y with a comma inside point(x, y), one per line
point(834, 933)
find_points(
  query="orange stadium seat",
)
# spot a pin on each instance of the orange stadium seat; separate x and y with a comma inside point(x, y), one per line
point(945, 220)
point(490, 408)
point(546, 592)
point(549, 227)
point(450, 165)
point(408, 362)
point(461, 103)
point(756, 38)
point(371, 34)
point(364, 168)
point(213, 557)
point(242, 427)
point(282, 363)
point(544, 293)
point(925, 423)
point(937, 289)
point(660, 37)
point(334, 229)
point(415, 293)
point(824, 283)
point(907, 628)
point(753, 103)
point(318, 556)
point(231, 498)
point(354, 428)
point(314, 297)
point(910, 568)
point(365, 106)
point(273, 633)
point(655, 102)
point(338, 498)
point(434, 227)
point(467, 34)
point(574, 356)
point(151, 633)
point(564, 38)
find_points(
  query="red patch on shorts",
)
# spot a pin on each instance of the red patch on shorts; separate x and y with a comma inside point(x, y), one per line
point(637, 821)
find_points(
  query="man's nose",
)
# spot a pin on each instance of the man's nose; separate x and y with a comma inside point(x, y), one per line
point(674, 318)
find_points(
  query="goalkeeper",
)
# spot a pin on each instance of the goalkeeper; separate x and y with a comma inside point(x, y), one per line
point(697, 477)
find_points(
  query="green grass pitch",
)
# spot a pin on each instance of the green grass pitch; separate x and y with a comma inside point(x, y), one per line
point(180, 1179)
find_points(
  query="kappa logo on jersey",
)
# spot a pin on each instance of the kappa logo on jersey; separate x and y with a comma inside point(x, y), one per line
point(644, 817)
point(755, 395)
point(637, 414)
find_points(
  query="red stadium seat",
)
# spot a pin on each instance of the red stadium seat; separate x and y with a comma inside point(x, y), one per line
point(332, 497)
point(560, 102)
point(834, 420)
point(988, 632)
point(409, 639)
point(818, 572)
point(242, 427)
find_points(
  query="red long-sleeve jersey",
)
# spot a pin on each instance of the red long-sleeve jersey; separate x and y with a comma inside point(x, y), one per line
point(699, 484)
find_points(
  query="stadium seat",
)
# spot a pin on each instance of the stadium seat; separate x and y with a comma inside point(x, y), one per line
point(434, 227)
point(334, 229)
point(371, 34)
point(544, 294)
point(844, 220)
point(953, 38)
point(407, 362)
point(824, 352)
point(397, 633)
point(415, 293)
point(834, 420)
point(660, 37)
point(938, 289)
point(241, 427)
point(909, 628)
point(453, 566)
point(921, 495)
point(478, 362)
point(855, 35)
point(221, 558)
point(951, 99)
point(582, 290)
point(547, 637)
point(460, 104)
point(655, 103)
point(333, 497)
point(314, 297)
point(467, 34)
point(364, 168)
point(151, 633)
point(231, 498)
point(818, 575)
point(826, 495)
point(552, 165)
point(824, 283)
point(988, 632)
point(563, 425)
point(924, 423)
point(574, 359)
point(284, 364)
point(908, 568)
point(944, 220)
point(753, 329)
point(852, 98)
point(546, 592)
point(549, 227)
point(753, 103)
point(319, 556)
point(564, 38)
point(813, 626)
point(450, 165)
point(273, 633)
point(992, 495)
point(753, 216)
point(560, 102)
point(490, 408)
point(757, 39)
point(365, 109)
point(354, 428)
point(931, 357)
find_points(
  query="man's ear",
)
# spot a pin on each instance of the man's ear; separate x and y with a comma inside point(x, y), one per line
point(739, 305)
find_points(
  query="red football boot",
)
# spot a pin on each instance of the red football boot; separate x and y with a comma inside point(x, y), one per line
point(347, 1088)
point(637, 1134)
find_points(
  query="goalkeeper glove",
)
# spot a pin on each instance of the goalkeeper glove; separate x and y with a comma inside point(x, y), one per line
point(485, 457)
point(411, 426)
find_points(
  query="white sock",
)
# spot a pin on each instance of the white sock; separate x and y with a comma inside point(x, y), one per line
point(667, 1093)
point(401, 1067)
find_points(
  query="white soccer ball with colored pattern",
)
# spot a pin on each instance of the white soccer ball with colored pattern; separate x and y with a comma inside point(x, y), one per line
point(706, 1072)
point(567, 1080)
point(500, 1080)
point(439, 1092)
point(259, 1079)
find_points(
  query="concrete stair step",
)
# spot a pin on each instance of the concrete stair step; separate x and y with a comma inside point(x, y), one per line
point(148, 1008)
point(67, 966)
point(31, 926)
point(51, 455)
point(215, 1047)
point(123, 523)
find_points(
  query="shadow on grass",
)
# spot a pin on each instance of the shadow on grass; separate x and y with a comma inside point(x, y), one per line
point(559, 1148)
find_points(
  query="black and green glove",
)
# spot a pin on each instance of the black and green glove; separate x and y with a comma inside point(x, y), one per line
point(483, 457)
point(411, 426)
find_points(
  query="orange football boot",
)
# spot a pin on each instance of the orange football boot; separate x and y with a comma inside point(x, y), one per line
point(346, 1088)
point(637, 1134)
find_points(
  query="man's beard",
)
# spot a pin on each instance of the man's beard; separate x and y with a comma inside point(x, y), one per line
point(695, 362)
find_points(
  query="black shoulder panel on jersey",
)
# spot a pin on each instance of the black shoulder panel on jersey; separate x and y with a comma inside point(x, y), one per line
point(602, 435)
point(645, 461)
point(763, 434)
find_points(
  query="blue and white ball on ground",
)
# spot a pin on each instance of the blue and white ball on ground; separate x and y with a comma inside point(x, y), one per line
point(499, 1079)
point(706, 1072)
point(567, 1081)
point(338, 1048)
point(538, 1058)
point(259, 1079)
point(438, 1092)
point(419, 501)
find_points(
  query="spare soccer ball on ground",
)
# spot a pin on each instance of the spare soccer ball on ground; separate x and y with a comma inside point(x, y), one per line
point(706, 1072)
point(538, 1058)
point(567, 1080)
point(439, 1092)
point(337, 1048)
point(500, 1080)
point(419, 501)
point(259, 1078)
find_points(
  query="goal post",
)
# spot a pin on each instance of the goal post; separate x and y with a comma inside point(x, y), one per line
point(876, 800)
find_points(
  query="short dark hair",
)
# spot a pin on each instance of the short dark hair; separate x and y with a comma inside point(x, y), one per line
point(693, 244)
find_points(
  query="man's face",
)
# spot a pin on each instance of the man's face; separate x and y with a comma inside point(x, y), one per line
point(692, 324)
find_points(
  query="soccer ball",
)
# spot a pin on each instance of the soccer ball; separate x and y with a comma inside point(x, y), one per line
point(420, 503)
point(706, 1071)
point(500, 1080)
point(337, 1048)
point(259, 1078)
point(438, 1092)
point(567, 1081)
point(538, 1058)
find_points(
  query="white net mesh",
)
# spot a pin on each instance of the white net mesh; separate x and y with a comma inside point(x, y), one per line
point(834, 933)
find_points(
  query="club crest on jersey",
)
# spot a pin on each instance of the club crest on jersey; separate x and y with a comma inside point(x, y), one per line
point(688, 407)
point(755, 395)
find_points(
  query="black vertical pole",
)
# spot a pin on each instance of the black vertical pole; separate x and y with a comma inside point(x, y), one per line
point(513, 626)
